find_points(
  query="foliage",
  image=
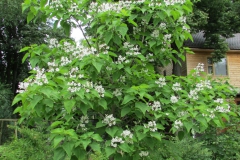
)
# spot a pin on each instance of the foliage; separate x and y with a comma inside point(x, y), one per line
point(6, 97)
point(105, 95)
point(31, 145)
point(186, 149)
point(218, 19)
point(15, 33)
point(223, 143)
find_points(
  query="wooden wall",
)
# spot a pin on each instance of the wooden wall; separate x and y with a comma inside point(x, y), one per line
point(233, 63)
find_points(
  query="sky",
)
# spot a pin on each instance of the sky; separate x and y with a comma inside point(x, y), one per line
point(76, 34)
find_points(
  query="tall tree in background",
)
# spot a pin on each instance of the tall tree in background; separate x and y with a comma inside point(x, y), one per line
point(15, 33)
point(218, 19)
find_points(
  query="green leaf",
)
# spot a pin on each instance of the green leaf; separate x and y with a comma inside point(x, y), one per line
point(97, 65)
point(97, 137)
point(152, 43)
point(84, 108)
point(156, 135)
point(108, 36)
point(100, 124)
point(69, 104)
point(128, 98)
point(25, 57)
point(35, 100)
point(103, 103)
point(30, 16)
point(109, 151)
point(180, 135)
point(142, 106)
point(125, 147)
point(68, 147)
point(57, 139)
point(48, 102)
point(112, 131)
point(24, 49)
point(85, 143)
point(59, 154)
point(140, 135)
point(16, 99)
point(80, 153)
point(122, 30)
point(125, 111)
point(95, 147)
point(25, 6)
point(34, 61)
point(56, 123)
point(188, 125)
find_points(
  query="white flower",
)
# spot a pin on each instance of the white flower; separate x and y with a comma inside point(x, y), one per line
point(116, 140)
point(109, 120)
point(143, 153)
point(127, 133)
point(176, 87)
point(174, 99)
point(117, 92)
point(151, 125)
point(178, 124)
point(161, 82)
point(156, 106)
point(100, 90)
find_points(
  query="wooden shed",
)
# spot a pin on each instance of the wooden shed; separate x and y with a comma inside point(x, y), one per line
point(229, 67)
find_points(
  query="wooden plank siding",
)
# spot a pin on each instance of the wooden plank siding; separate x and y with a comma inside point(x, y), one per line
point(233, 63)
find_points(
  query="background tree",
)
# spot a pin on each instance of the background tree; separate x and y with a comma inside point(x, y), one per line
point(218, 19)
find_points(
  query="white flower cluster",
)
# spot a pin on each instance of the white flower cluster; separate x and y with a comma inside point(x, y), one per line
point(83, 121)
point(155, 106)
point(22, 87)
point(127, 134)
point(149, 57)
point(182, 19)
point(100, 90)
point(74, 86)
point(173, 2)
point(182, 113)
point(109, 120)
point(193, 94)
point(178, 124)
point(116, 140)
point(155, 33)
point(161, 82)
point(122, 79)
point(117, 92)
point(68, 47)
point(40, 77)
point(222, 109)
point(132, 50)
point(73, 71)
point(53, 66)
point(104, 47)
point(174, 99)
point(81, 51)
point(163, 26)
point(176, 87)
point(199, 68)
point(151, 125)
point(199, 87)
point(65, 61)
point(219, 100)
point(53, 43)
point(56, 3)
point(74, 8)
point(210, 114)
point(167, 38)
point(121, 60)
point(117, 7)
point(143, 153)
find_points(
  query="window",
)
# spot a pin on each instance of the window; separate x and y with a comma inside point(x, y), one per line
point(219, 68)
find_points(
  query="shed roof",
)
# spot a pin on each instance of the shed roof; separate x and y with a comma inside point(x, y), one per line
point(198, 41)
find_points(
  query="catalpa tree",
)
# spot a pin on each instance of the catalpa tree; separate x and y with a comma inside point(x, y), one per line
point(104, 95)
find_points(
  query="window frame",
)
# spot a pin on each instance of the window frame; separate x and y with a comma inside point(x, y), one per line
point(213, 67)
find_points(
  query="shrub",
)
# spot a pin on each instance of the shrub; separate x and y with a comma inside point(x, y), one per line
point(32, 145)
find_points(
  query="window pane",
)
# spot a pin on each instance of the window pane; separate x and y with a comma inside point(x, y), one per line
point(221, 67)
point(210, 70)
point(209, 60)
